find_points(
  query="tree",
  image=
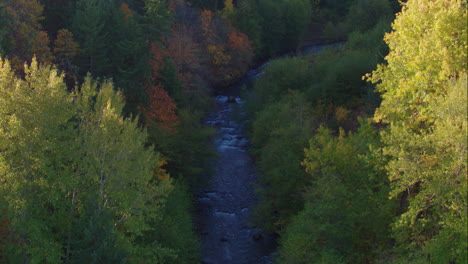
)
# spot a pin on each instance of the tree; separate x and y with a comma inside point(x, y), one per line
point(296, 16)
point(347, 213)
point(247, 20)
point(157, 18)
point(283, 23)
point(57, 15)
point(161, 109)
point(65, 49)
point(89, 28)
point(241, 49)
point(213, 5)
point(281, 76)
point(129, 57)
point(99, 194)
point(4, 39)
point(228, 9)
point(426, 68)
point(24, 28)
point(36, 171)
point(279, 134)
point(186, 56)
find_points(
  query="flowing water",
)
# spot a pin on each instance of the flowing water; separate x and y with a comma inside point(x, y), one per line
point(224, 208)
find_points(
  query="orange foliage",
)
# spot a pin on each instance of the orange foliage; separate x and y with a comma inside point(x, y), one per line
point(24, 18)
point(184, 52)
point(219, 55)
point(41, 48)
point(239, 41)
point(207, 24)
point(242, 53)
point(156, 62)
point(3, 233)
point(230, 52)
point(125, 10)
point(175, 3)
point(65, 48)
point(161, 109)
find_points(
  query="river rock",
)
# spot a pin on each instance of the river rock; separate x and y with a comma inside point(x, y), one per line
point(231, 100)
point(257, 236)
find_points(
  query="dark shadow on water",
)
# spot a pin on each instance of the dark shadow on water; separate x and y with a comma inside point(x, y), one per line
point(224, 207)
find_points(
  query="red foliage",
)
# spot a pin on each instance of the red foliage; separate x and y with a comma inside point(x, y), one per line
point(240, 48)
point(156, 62)
point(161, 109)
point(3, 233)
point(185, 54)
point(207, 24)
point(125, 10)
point(239, 41)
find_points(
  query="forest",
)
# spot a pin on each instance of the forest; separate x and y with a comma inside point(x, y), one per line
point(360, 149)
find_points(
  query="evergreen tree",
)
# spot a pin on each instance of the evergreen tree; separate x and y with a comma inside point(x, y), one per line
point(129, 57)
point(95, 240)
point(157, 18)
point(89, 26)
point(4, 39)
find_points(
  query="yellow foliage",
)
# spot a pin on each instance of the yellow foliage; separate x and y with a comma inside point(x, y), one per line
point(159, 172)
point(341, 113)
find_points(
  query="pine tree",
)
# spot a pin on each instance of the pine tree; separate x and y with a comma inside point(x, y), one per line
point(89, 28)
point(129, 56)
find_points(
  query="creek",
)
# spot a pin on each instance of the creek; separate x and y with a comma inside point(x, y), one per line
point(224, 208)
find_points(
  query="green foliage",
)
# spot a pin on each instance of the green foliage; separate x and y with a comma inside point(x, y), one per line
point(296, 15)
point(95, 239)
point(281, 76)
point(347, 213)
point(248, 21)
point(157, 18)
point(213, 5)
point(280, 132)
point(3, 30)
point(175, 227)
point(34, 174)
point(282, 24)
point(320, 213)
point(187, 164)
point(129, 58)
point(113, 45)
point(89, 26)
point(363, 15)
point(97, 199)
point(423, 87)
point(337, 73)
point(57, 15)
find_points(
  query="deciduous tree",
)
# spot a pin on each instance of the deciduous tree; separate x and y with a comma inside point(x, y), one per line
point(65, 49)
point(25, 30)
point(425, 68)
